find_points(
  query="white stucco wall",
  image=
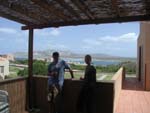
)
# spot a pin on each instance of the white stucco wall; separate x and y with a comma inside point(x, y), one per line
point(5, 64)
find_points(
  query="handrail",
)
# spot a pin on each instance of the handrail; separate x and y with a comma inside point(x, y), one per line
point(117, 79)
point(117, 74)
point(18, 93)
point(12, 80)
point(112, 86)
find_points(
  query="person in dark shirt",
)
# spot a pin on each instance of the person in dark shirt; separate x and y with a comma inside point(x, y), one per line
point(86, 97)
point(90, 71)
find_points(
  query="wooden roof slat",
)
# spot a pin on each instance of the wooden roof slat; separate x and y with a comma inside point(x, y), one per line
point(25, 12)
point(147, 6)
point(54, 13)
point(46, 6)
point(5, 4)
point(17, 15)
point(37, 10)
point(115, 7)
point(69, 8)
point(96, 21)
point(82, 6)
point(4, 15)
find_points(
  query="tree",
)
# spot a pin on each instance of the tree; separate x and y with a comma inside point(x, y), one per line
point(39, 68)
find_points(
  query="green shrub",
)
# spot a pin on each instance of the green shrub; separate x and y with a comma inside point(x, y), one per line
point(39, 68)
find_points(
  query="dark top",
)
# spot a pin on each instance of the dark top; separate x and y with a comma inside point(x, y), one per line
point(90, 74)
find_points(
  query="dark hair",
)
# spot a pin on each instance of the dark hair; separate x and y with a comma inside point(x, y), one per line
point(88, 56)
point(55, 54)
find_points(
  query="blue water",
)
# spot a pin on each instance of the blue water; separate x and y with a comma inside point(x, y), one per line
point(19, 59)
point(105, 63)
point(94, 62)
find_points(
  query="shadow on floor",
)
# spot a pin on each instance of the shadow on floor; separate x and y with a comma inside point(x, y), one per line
point(132, 83)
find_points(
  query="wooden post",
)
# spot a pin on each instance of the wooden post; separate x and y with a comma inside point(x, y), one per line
point(30, 68)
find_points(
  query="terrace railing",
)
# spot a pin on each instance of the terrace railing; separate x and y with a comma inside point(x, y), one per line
point(118, 81)
point(104, 95)
point(107, 93)
point(17, 91)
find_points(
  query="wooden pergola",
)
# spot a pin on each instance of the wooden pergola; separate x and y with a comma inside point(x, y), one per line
point(56, 13)
point(38, 14)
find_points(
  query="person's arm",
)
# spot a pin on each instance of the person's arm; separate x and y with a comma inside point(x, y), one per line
point(83, 76)
point(71, 73)
point(93, 79)
point(67, 66)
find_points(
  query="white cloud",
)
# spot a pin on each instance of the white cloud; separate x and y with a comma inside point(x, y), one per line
point(8, 30)
point(92, 42)
point(86, 47)
point(122, 38)
point(47, 33)
point(129, 37)
point(43, 33)
point(17, 35)
point(55, 32)
point(58, 46)
point(125, 43)
point(125, 38)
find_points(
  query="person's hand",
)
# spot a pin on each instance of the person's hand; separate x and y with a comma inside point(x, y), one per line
point(81, 78)
point(53, 73)
point(72, 78)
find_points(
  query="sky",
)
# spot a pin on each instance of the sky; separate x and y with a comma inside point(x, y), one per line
point(119, 39)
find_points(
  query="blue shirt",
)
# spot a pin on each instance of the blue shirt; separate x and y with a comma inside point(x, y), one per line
point(60, 69)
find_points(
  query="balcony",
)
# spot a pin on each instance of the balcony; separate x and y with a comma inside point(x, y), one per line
point(112, 96)
point(133, 98)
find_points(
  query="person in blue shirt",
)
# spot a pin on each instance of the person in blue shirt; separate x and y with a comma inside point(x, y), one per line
point(56, 71)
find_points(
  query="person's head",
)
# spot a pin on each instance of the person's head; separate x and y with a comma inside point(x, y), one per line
point(55, 56)
point(88, 59)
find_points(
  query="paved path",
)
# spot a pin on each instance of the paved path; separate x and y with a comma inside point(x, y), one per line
point(102, 77)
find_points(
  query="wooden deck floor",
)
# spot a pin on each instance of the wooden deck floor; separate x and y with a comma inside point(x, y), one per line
point(133, 99)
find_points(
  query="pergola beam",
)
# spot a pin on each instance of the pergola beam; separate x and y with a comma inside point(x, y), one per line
point(69, 8)
point(51, 9)
point(96, 21)
point(82, 6)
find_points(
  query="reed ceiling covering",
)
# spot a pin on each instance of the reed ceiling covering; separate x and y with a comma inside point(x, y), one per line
point(56, 13)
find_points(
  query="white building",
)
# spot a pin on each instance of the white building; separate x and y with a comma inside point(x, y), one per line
point(9, 57)
point(4, 68)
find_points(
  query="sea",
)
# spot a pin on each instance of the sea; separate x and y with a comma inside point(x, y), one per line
point(94, 62)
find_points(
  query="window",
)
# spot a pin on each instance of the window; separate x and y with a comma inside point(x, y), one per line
point(1, 69)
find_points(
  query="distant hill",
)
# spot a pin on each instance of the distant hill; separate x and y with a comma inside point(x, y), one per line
point(69, 54)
